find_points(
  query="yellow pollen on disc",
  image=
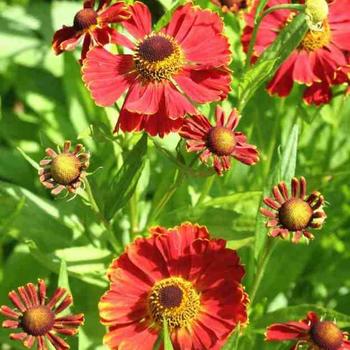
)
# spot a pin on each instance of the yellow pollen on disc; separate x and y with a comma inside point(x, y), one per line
point(38, 320)
point(175, 300)
point(65, 168)
point(221, 141)
point(295, 214)
point(315, 40)
point(158, 57)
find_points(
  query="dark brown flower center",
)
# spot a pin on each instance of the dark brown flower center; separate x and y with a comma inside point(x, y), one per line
point(170, 296)
point(221, 141)
point(38, 320)
point(84, 19)
point(65, 168)
point(156, 48)
point(175, 300)
point(295, 214)
point(327, 335)
point(157, 57)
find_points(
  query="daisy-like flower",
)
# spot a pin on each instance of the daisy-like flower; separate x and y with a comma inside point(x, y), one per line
point(234, 6)
point(312, 332)
point(64, 170)
point(37, 320)
point(219, 142)
point(165, 72)
point(179, 275)
point(90, 25)
point(321, 53)
point(294, 214)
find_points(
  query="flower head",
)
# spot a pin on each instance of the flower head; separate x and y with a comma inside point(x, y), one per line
point(90, 25)
point(321, 53)
point(37, 320)
point(220, 142)
point(315, 333)
point(296, 213)
point(234, 6)
point(316, 12)
point(167, 71)
point(180, 275)
point(64, 170)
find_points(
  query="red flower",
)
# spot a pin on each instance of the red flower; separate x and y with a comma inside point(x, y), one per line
point(64, 170)
point(315, 62)
point(166, 70)
point(38, 320)
point(221, 142)
point(295, 213)
point(91, 25)
point(312, 331)
point(180, 275)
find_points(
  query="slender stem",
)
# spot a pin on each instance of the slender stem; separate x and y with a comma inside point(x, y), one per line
point(258, 21)
point(180, 176)
point(206, 189)
point(99, 215)
point(262, 263)
point(167, 195)
point(133, 214)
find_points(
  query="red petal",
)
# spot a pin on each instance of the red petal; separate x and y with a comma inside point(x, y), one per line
point(189, 25)
point(176, 104)
point(205, 85)
point(140, 22)
point(287, 331)
point(106, 75)
point(135, 336)
point(156, 124)
point(144, 98)
point(318, 94)
point(282, 82)
point(65, 39)
point(114, 14)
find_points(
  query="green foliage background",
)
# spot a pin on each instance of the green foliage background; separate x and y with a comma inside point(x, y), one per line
point(43, 103)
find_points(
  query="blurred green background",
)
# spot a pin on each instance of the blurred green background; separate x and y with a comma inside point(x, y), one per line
point(43, 103)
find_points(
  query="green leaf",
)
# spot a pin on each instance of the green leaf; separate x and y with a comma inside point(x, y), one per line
point(289, 157)
point(30, 160)
point(123, 185)
point(63, 280)
point(289, 38)
point(240, 243)
point(253, 79)
point(232, 341)
point(87, 269)
point(164, 20)
point(167, 341)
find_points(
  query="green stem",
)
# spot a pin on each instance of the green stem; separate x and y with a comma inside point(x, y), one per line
point(99, 215)
point(206, 189)
point(262, 263)
point(258, 20)
point(180, 176)
point(134, 215)
point(166, 197)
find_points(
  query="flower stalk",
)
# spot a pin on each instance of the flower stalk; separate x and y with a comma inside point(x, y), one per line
point(259, 19)
point(99, 215)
